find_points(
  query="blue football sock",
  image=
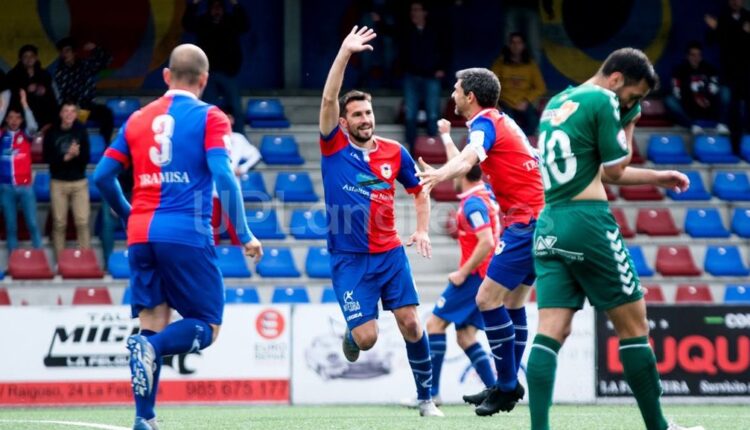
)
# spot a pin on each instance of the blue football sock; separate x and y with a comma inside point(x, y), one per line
point(144, 406)
point(501, 335)
point(421, 366)
point(185, 335)
point(437, 353)
point(481, 362)
point(518, 316)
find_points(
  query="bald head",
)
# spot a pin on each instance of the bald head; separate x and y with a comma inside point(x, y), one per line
point(187, 63)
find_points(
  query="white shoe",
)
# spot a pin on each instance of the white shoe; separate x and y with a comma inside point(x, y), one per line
point(696, 130)
point(673, 426)
point(427, 408)
point(413, 402)
point(722, 128)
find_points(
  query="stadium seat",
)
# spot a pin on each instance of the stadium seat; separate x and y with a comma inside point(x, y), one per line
point(732, 186)
point(444, 192)
point(277, 263)
point(308, 224)
point(29, 264)
point(41, 186)
point(122, 108)
point(91, 296)
point(79, 264)
point(636, 158)
point(697, 190)
point(668, 149)
point(622, 222)
point(653, 294)
point(282, 149)
point(118, 265)
point(94, 194)
point(232, 262)
point(4, 297)
point(676, 261)
point(641, 192)
point(737, 294)
point(431, 149)
point(532, 295)
point(127, 296)
point(451, 224)
point(328, 295)
point(290, 294)
point(655, 222)
point(745, 147)
point(37, 150)
point(611, 196)
point(705, 222)
point(450, 114)
point(96, 147)
point(318, 262)
point(253, 188)
point(266, 113)
point(693, 293)
point(242, 295)
point(741, 222)
point(654, 114)
point(295, 187)
point(725, 261)
point(639, 261)
point(714, 150)
point(264, 224)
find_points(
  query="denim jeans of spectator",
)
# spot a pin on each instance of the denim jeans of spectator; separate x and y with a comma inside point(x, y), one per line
point(222, 86)
point(11, 197)
point(107, 232)
point(420, 89)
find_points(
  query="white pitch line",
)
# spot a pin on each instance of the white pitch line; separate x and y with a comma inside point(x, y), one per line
point(67, 423)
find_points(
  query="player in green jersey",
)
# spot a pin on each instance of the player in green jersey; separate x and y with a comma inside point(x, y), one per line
point(585, 140)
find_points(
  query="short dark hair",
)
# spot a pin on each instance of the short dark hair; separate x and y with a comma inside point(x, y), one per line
point(525, 54)
point(27, 48)
point(69, 102)
point(474, 174)
point(694, 44)
point(634, 66)
point(483, 83)
point(66, 42)
point(352, 96)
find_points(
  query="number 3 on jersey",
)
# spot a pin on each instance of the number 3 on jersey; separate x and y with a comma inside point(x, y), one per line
point(558, 141)
point(163, 127)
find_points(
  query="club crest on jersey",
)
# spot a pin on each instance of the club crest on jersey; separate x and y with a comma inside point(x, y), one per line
point(386, 171)
point(561, 114)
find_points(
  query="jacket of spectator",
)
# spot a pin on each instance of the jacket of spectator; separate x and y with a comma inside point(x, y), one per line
point(38, 89)
point(77, 81)
point(57, 142)
point(520, 81)
point(697, 89)
point(219, 39)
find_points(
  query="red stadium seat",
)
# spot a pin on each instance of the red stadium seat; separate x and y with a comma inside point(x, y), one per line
point(654, 114)
point(92, 296)
point(637, 158)
point(79, 264)
point(430, 149)
point(676, 261)
point(29, 264)
point(450, 224)
point(622, 221)
point(445, 192)
point(4, 297)
point(693, 293)
point(611, 196)
point(640, 192)
point(37, 150)
point(532, 295)
point(653, 293)
point(656, 222)
point(450, 114)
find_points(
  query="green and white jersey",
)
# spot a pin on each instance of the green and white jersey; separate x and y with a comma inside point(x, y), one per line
point(580, 130)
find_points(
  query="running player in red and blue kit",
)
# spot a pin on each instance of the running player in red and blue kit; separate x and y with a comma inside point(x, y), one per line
point(177, 146)
point(368, 262)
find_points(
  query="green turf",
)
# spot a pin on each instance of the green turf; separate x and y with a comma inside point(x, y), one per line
point(712, 417)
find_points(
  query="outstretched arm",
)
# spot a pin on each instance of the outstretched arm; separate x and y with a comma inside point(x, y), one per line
point(429, 177)
point(421, 237)
point(355, 42)
point(669, 179)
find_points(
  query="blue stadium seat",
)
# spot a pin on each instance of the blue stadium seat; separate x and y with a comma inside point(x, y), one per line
point(697, 190)
point(241, 295)
point(264, 224)
point(741, 222)
point(639, 261)
point(41, 186)
point(668, 149)
point(290, 294)
point(277, 263)
point(118, 265)
point(328, 296)
point(705, 222)
point(745, 147)
point(714, 149)
point(307, 224)
point(94, 194)
point(282, 149)
point(318, 262)
point(232, 262)
point(96, 147)
point(737, 294)
point(732, 186)
point(266, 113)
point(295, 187)
point(122, 108)
point(127, 296)
point(725, 261)
point(253, 188)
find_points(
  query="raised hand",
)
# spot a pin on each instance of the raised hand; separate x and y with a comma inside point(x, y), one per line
point(428, 177)
point(444, 126)
point(357, 39)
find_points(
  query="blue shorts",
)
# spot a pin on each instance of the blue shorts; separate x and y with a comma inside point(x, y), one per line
point(513, 262)
point(187, 278)
point(458, 304)
point(360, 280)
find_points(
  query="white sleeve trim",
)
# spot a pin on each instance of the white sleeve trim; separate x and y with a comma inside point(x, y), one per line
point(476, 143)
point(615, 161)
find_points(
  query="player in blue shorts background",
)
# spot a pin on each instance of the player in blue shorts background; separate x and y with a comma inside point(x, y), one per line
point(178, 148)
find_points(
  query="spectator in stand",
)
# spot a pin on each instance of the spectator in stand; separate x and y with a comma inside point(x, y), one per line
point(522, 83)
point(696, 95)
point(218, 33)
point(66, 149)
point(424, 59)
point(76, 81)
point(28, 75)
point(377, 65)
point(15, 172)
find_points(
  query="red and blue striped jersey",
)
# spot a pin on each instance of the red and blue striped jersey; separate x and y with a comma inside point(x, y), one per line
point(167, 142)
point(15, 158)
point(360, 194)
point(477, 211)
